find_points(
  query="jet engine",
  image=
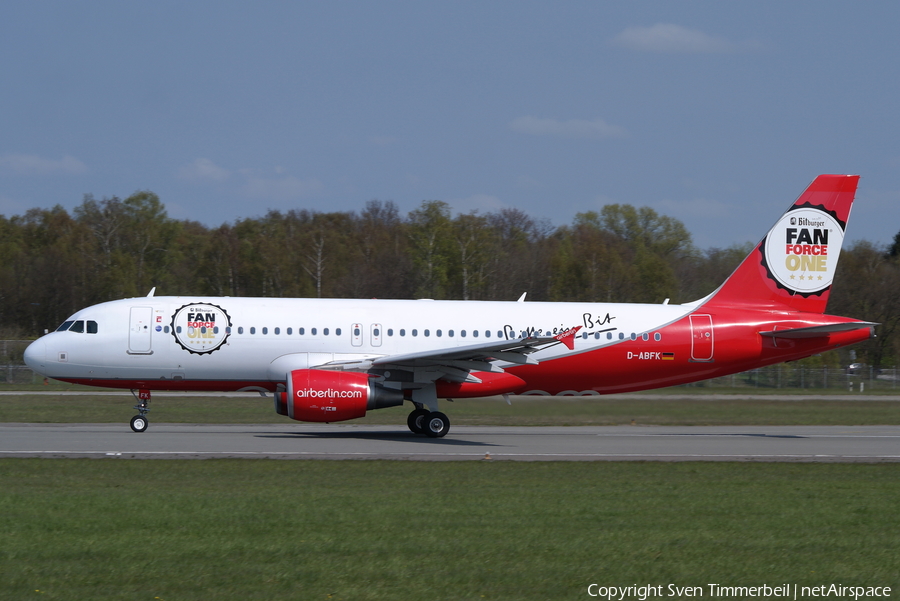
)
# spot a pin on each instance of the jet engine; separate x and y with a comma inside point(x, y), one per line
point(318, 395)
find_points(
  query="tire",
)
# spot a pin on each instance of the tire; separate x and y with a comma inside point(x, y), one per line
point(416, 421)
point(139, 423)
point(436, 424)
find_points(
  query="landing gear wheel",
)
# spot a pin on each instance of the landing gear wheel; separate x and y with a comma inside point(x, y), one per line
point(436, 424)
point(416, 421)
point(139, 423)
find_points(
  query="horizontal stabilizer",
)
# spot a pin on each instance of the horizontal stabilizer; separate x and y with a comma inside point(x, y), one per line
point(819, 331)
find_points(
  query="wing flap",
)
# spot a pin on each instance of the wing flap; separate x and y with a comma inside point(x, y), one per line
point(513, 351)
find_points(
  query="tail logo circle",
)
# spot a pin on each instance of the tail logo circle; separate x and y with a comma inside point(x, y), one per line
point(802, 250)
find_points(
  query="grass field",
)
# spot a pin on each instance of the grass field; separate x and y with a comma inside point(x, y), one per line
point(524, 411)
point(114, 529)
point(262, 529)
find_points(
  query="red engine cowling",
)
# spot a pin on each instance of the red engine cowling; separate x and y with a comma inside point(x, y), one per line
point(317, 395)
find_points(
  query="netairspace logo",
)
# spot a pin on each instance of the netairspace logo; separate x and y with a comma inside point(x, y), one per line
point(716, 590)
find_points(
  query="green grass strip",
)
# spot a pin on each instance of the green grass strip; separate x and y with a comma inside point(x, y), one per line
point(232, 529)
point(524, 411)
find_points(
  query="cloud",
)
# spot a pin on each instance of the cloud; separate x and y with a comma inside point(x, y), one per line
point(203, 170)
point(281, 188)
point(671, 38)
point(30, 164)
point(573, 128)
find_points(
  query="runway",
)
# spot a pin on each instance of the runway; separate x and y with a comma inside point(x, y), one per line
point(870, 444)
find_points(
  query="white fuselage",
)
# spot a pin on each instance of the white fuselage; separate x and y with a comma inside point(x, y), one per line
point(137, 339)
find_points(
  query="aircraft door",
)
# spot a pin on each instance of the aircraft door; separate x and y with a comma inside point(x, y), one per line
point(701, 338)
point(376, 334)
point(356, 333)
point(139, 331)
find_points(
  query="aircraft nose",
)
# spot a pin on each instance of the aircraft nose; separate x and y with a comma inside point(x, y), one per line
point(35, 355)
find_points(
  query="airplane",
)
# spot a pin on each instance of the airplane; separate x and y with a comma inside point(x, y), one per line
point(330, 360)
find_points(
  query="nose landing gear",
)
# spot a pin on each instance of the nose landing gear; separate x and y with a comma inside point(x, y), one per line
point(139, 422)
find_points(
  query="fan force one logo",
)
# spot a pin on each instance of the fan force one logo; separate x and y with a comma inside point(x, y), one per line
point(201, 328)
point(801, 250)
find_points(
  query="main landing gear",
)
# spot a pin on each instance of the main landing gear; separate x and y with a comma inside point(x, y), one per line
point(432, 423)
point(139, 422)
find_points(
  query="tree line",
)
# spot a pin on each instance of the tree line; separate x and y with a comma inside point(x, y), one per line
point(53, 262)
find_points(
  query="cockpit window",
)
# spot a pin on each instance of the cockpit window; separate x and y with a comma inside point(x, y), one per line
point(78, 326)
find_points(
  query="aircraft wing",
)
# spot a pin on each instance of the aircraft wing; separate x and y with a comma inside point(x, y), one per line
point(454, 364)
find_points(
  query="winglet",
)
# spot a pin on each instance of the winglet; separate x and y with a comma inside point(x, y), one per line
point(568, 337)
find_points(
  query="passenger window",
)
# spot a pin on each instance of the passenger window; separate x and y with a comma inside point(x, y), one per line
point(65, 326)
point(301, 331)
point(337, 331)
point(290, 331)
point(390, 331)
point(475, 333)
point(450, 333)
point(277, 331)
point(439, 333)
point(428, 332)
point(313, 331)
point(402, 332)
point(463, 333)
point(657, 337)
point(415, 332)
point(325, 331)
point(92, 327)
point(241, 330)
point(253, 330)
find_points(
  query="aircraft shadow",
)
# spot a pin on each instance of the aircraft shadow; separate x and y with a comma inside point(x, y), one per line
point(407, 437)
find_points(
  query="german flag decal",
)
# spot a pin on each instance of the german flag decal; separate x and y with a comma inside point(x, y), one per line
point(668, 356)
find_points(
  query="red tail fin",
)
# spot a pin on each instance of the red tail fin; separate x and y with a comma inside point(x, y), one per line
point(794, 264)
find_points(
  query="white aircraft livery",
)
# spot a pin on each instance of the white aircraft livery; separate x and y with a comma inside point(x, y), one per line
point(328, 360)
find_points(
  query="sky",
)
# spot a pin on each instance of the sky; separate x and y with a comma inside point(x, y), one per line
point(717, 114)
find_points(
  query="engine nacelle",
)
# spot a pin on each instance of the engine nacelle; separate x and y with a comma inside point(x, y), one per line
point(318, 395)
